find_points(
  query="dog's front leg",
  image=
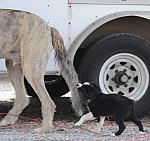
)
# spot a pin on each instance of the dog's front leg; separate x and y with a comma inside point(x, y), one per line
point(86, 117)
point(21, 101)
point(100, 123)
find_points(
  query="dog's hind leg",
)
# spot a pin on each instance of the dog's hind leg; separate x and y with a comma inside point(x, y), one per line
point(21, 101)
point(138, 123)
point(34, 65)
point(121, 125)
point(35, 77)
point(135, 120)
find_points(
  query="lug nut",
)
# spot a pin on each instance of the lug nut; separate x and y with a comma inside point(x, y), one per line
point(129, 77)
point(113, 79)
point(116, 71)
point(125, 85)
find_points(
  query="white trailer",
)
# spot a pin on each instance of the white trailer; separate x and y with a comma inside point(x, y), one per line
point(107, 40)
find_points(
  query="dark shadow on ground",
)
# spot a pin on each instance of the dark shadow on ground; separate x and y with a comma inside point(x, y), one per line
point(64, 110)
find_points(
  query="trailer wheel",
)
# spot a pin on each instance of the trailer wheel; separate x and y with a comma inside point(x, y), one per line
point(120, 63)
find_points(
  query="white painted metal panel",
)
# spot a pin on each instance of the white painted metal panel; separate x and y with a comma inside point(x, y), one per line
point(84, 15)
point(54, 12)
point(126, 2)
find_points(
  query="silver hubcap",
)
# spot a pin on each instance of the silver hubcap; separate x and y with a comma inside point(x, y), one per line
point(124, 74)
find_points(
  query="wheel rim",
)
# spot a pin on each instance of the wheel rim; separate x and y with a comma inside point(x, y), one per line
point(124, 74)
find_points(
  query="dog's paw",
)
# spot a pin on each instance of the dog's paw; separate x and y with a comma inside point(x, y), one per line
point(77, 124)
point(112, 134)
point(8, 120)
point(4, 123)
point(41, 130)
point(141, 132)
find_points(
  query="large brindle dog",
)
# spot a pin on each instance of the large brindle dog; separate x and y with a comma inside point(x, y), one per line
point(26, 42)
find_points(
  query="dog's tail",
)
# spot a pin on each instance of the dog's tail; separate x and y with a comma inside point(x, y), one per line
point(67, 70)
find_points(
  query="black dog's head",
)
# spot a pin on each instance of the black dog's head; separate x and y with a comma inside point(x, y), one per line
point(88, 90)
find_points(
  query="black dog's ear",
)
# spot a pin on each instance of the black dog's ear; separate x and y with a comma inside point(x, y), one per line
point(96, 86)
point(82, 89)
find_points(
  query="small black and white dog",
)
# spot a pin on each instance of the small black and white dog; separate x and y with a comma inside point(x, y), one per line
point(101, 105)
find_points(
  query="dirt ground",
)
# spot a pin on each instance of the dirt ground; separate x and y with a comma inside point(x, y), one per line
point(64, 122)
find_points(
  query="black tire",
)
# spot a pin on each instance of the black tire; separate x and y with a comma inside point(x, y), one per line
point(109, 46)
point(55, 85)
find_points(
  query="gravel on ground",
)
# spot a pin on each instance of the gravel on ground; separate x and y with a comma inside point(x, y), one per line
point(63, 121)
